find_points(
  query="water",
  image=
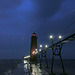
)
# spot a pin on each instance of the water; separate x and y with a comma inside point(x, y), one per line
point(6, 65)
point(69, 64)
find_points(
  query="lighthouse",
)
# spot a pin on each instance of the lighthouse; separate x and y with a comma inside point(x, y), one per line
point(33, 49)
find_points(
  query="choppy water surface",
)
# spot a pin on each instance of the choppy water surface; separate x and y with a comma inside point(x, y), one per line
point(6, 65)
point(69, 64)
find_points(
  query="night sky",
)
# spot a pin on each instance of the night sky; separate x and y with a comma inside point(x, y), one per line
point(20, 18)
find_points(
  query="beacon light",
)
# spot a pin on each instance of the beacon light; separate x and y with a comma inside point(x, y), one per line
point(33, 34)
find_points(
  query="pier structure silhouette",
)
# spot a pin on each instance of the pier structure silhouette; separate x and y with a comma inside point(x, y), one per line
point(56, 51)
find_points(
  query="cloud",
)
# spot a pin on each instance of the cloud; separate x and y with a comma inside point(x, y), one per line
point(9, 4)
point(19, 18)
point(48, 8)
point(67, 9)
point(22, 18)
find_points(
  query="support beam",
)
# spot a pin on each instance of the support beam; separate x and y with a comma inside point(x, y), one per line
point(57, 52)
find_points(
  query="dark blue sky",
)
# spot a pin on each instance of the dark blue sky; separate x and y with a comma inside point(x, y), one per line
point(19, 18)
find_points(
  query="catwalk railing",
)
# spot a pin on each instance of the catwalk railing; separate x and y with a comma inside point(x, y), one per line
point(63, 41)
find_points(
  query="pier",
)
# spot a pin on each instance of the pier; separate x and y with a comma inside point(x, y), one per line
point(29, 66)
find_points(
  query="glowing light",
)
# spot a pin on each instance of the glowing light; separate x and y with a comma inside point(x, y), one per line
point(33, 52)
point(25, 57)
point(39, 50)
point(33, 34)
point(46, 46)
point(51, 37)
point(60, 36)
point(25, 66)
point(24, 61)
point(41, 46)
point(36, 49)
point(36, 70)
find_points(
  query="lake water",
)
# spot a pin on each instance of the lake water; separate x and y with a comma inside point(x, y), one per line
point(6, 65)
point(69, 64)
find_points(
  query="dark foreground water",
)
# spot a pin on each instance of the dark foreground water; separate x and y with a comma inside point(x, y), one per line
point(6, 65)
point(69, 64)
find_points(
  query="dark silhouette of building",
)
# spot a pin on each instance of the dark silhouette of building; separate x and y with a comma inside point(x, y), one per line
point(33, 49)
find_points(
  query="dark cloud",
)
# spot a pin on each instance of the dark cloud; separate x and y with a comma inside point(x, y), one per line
point(14, 44)
point(48, 8)
point(26, 16)
point(9, 4)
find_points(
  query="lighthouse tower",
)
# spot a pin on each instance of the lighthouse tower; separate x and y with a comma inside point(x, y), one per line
point(33, 49)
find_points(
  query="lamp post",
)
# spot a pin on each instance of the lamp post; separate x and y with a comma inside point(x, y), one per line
point(40, 48)
point(60, 37)
point(40, 55)
point(51, 37)
point(56, 50)
point(46, 57)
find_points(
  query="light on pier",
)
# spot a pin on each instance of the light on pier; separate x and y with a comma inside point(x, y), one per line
point(39, 50)
point(51, 36)
point(60, 36)
point(46, 46)
point(40, 46)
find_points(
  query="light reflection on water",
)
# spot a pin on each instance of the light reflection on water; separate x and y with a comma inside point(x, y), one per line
point(26, 68)
point(35, 70)
point(32, 69)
